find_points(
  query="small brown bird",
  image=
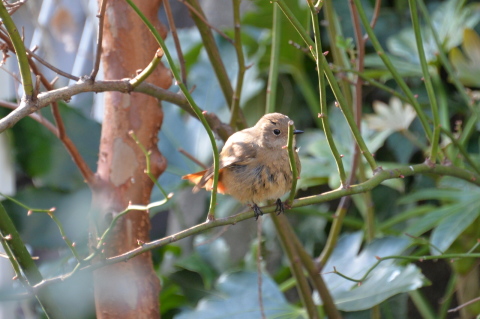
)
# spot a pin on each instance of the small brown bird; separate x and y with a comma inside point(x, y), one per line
point(254, 164)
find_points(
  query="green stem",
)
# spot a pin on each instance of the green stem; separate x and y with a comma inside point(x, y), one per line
point(468, 128)
point(452, 75)
point(414, 139)
point(293, 162)
point(339, 57)
point(236, 116)
point(295, 265)
point(69, 243)
point(381, 53)
point(274, 60)
point(148, 170)
point(462, 150)
point(212, 51)
point(428, 82)
point(50, 211)
point(198, 112)
point(306, 87)
point(448, 296)
point(10, 239)
point(148, 70)
point(443, 56)
point(369, 205)
point(19, 50)
point(404, 216)
point(316, 278)
point(371, 81)
point(422, 305)
point(347, 112)
point(323, 99)
point(334, 232)
point(408, 258)
point(333, 84)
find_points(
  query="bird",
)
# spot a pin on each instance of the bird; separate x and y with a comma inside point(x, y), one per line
point(254, 164)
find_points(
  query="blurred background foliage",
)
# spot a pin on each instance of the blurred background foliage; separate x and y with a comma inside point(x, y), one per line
point(213, 275)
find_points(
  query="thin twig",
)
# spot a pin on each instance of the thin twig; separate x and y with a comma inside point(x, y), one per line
point(373, 21)
point(192, 158)
point(358, 104)
point(66, 93)
point(142, 76)
point(236, 119)
point(202, 17)
point(101, 19)
point(148, 169)
point(85, 170)
point(386, 61)
point(274, 60)
point(323, 115)
point(51, 67)
point(316, 278)
point(293, 161)
point(4, 37)
point(427, 80)
point(259, 267)
point(464, 305)
point(303, 288)
point(176, 41)
point(19, 46)
point(35, 116)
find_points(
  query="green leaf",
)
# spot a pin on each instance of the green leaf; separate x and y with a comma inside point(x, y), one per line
point(460, 207)
point(33, 146)
point(451, 227)
point(195, 263)
point(236, 297)
point(216, 253)
point(386, 280)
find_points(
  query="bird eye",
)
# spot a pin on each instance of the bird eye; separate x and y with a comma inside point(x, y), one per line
point(276, 131)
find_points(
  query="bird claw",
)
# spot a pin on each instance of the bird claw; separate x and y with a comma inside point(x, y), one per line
point(257, 211)
point(280, 208)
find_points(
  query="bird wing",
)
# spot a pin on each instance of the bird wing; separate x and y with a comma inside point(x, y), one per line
point(237, 151)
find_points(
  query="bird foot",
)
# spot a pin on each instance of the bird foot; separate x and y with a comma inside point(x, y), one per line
point(257, 211)
point(280, 208)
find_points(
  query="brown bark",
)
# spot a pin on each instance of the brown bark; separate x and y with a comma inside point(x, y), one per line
point(131, 289)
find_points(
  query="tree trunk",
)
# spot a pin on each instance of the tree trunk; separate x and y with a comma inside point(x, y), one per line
point(130, 289)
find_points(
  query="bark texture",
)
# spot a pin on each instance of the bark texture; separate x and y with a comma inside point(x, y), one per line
point(131, 289)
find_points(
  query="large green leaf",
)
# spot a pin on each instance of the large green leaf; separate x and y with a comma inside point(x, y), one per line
point(236, 297)
point(459, 208)
point(452, 226)
point(386, 280)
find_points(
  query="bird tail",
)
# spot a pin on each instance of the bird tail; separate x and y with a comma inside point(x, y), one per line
point(204, 179)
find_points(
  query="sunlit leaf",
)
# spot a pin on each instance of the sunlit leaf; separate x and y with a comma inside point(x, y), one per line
point(385, 281)
point(460, 207)
point(236, 297)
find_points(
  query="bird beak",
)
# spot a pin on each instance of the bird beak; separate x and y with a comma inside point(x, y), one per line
point(297, 132)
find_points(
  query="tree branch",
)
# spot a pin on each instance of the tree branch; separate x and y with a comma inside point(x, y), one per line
point(373, 182)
